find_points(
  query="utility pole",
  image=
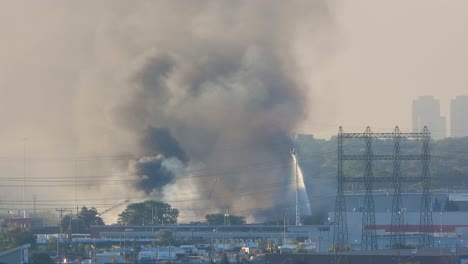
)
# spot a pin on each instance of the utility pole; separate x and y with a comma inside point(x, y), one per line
point(35, 206)
point(74, 184)
point(226, 216)
point(284, 229)
point(60, 210)
point(25, 140)
point(77, 220)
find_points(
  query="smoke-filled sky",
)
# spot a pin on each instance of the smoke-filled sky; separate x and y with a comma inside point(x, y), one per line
point(196, 102)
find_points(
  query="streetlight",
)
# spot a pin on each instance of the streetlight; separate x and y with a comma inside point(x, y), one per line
point(319, 237)
point(192, 235)
point(441, 214)
point(9, 214)
point(284, 229)
point(211, 244)
point(125, 244)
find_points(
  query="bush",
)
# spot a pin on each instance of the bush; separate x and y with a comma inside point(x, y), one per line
point(40, 258)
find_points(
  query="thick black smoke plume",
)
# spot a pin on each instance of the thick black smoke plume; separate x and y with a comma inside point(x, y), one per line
point(160, 141)
point(156, 169)
point(153, 174)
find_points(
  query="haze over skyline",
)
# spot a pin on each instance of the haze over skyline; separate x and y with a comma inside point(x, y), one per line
point(386, 54)
point(97, 87)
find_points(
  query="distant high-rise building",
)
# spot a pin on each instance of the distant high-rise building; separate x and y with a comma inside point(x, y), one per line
point(459, 116)
point(426, 112)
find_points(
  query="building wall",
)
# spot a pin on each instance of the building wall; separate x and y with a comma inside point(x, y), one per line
point(18, 255)
point(449, 228)
point(371, 258)
point(12, 258)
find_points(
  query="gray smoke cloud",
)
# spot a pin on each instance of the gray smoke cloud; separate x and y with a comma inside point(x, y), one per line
point(251, 100)
point(194, 92)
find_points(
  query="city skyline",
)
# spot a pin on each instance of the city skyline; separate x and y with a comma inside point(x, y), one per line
point(384, 55)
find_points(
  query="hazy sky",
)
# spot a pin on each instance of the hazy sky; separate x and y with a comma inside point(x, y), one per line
point(387, 53)
point(230, 80)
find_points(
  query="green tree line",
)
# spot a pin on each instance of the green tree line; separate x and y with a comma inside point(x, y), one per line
point(448, 164)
